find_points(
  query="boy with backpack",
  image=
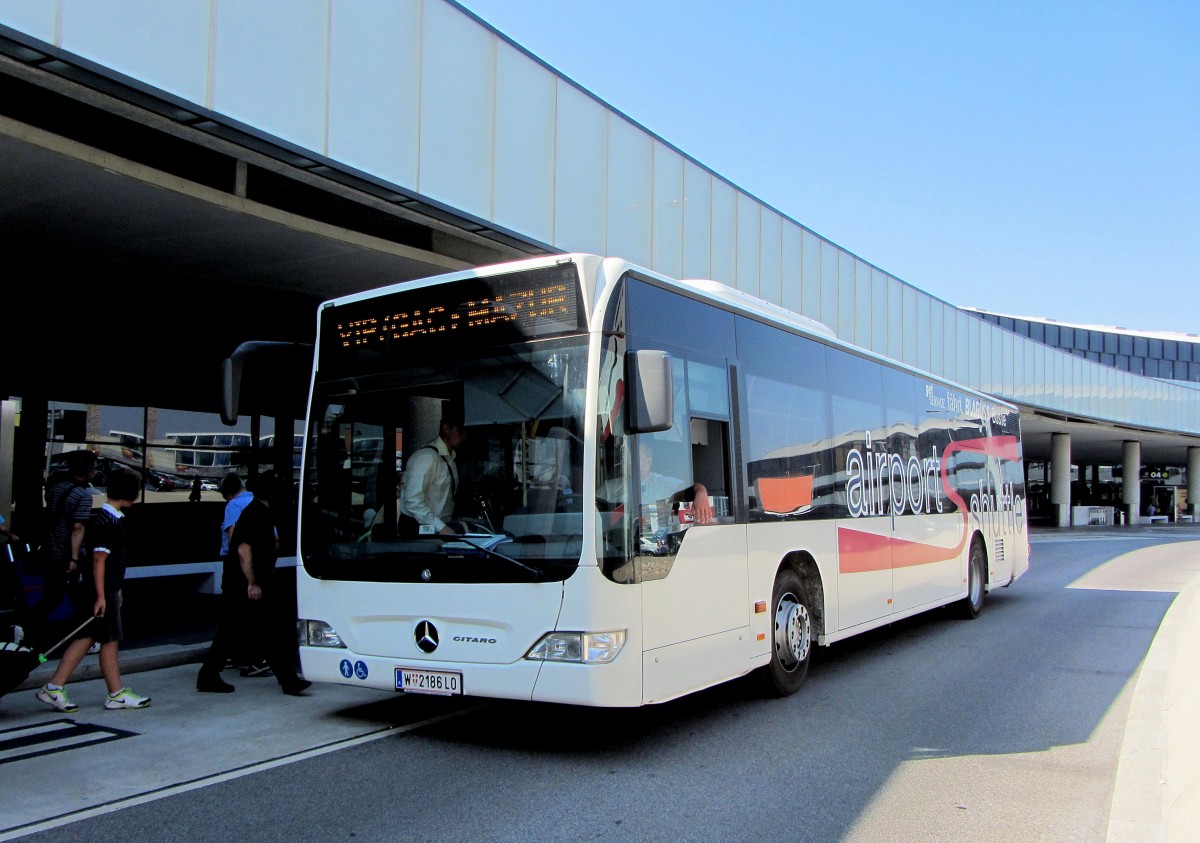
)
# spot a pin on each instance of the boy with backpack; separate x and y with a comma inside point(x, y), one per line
point(102, 581)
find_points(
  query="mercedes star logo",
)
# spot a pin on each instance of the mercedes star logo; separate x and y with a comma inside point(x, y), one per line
point(426, 635)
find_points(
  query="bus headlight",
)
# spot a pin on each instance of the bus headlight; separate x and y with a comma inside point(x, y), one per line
point(581, 647)
point(319, 634)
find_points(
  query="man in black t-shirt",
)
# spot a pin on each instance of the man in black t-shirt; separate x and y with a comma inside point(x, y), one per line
point(250, 602)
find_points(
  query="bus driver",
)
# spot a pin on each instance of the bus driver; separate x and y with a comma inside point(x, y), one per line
point(430, 482)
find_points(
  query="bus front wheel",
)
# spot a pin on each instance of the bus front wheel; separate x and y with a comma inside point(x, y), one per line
point(791, 636)
point(971, 605)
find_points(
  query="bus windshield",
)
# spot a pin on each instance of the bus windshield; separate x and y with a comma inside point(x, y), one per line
point(517, 512)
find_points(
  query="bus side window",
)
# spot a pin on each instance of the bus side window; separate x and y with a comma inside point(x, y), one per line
point(710, 461)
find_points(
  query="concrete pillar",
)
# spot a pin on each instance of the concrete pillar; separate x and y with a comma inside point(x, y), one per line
point(1193, 482)
point(1131, 480)
point(1060, 477)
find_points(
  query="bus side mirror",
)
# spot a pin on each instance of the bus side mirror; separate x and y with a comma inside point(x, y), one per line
point(279, 369)
point(651, 405)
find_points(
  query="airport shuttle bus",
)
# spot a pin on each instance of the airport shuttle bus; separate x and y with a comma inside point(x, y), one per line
point(603, 403)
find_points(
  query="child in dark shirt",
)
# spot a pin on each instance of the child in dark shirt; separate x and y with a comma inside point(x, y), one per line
point(102, 596)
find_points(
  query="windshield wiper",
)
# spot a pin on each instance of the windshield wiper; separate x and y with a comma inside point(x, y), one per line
point(537, 575)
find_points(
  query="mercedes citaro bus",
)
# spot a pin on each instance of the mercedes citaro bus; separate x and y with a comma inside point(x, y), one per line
point(601, 400)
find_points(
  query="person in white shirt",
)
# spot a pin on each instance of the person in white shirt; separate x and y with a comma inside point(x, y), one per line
point(655, 487)
point(430, 483)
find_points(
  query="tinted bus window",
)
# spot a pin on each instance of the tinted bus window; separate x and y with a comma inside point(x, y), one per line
point(856, 413)
point(655, 315)
point(786, 427)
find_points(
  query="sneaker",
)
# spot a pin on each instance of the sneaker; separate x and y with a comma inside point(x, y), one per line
point(257, 669)
point(125, 698)
point(95, 648)
point(57, 698)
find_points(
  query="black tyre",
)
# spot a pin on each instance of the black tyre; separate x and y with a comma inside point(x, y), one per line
point(792, 635)
point(971, 605)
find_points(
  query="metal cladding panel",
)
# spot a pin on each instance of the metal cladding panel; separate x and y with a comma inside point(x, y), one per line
point(523, 196)
point(829, 283)
point(968, 347)
point(162, 44)
point(33, 17)
point(580, 162)
point(849, 315)
point(723, 245)
point(810, 290)
point(667, 245)
point(921, 338)
point(697, 221)
point(375, 87)
point(457, 83)
point(877, 341)
point(912, 320)
point(269, 65)
point(630, 191)
point(862, 334)
point(792, 263)
point(895, 317)
point(937, 326)
point(749, 224)
point(769, 256)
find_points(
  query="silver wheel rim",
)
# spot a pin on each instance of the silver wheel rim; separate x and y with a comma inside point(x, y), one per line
point(976, 584)
point(793, 632)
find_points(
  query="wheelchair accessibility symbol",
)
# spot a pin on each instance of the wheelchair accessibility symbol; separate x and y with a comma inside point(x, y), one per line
point(360, 669)
point(346, 668)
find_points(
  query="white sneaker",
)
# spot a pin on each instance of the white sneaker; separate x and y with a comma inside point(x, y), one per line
point(95, 648)
point(57, 697)
point(125, 698)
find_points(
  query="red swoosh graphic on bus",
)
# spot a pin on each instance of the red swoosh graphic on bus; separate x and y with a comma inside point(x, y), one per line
point(611, 422)
point(860, 552)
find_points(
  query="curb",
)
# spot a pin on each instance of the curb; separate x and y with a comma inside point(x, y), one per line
point(132, 661)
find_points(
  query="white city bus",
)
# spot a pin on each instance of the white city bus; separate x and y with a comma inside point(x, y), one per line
point(850, 491)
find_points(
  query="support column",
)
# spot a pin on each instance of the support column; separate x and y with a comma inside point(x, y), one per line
point(1193, 482)
point(1060, 477)
point(1131, 480)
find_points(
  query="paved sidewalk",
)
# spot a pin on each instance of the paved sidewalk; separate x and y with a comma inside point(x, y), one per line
point(1156, 796)
point(1157, 791)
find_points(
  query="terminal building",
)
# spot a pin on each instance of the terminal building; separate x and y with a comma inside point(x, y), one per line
point(179, 179)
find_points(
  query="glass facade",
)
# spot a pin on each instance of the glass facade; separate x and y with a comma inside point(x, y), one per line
point(1153, 357)
point(180, 457)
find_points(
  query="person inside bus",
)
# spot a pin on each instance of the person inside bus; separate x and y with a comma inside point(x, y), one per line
point(430, 483)
point(655, 486)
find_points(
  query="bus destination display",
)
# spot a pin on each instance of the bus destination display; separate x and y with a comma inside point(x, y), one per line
point(479, 311)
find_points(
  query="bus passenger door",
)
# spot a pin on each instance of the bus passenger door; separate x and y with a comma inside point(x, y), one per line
point(692, 574)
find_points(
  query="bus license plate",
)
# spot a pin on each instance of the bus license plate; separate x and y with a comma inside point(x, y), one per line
point(441, 682)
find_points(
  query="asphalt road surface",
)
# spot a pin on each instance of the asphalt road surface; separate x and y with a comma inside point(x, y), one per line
point(1007, 727)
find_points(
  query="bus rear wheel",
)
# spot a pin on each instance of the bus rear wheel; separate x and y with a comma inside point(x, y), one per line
point(791, 636)
point(971, 605)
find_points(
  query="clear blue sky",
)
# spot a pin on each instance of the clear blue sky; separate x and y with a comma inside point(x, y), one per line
point(1035, 158)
